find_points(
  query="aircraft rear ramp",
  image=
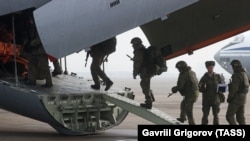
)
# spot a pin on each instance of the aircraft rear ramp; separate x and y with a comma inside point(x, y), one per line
point(71, 107)
point(153, 115)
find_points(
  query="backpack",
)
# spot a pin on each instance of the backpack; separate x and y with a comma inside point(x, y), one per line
point(154, 60)
point(108, 46)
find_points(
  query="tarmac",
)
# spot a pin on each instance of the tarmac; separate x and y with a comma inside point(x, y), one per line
point(18, 128)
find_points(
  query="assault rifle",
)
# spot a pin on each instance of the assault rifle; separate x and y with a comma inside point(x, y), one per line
point(170, 94)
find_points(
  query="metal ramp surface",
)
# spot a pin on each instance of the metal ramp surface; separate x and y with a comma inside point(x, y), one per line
point(153, 115)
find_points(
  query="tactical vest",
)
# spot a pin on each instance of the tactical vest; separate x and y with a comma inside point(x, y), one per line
point(205, 77)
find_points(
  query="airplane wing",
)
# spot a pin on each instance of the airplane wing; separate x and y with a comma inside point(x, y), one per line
point(198, 25)
point(68, 26)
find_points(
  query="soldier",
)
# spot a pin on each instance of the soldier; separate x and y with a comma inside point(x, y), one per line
point(140, 68)
point(187, 85)
point(210, 97)
point(98, 53)
point(238, 89)
point(38, 59)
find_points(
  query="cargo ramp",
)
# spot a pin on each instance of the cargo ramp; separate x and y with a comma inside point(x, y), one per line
point(153, 115)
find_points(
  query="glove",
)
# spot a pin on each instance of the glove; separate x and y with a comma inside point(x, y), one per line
point(174, 89)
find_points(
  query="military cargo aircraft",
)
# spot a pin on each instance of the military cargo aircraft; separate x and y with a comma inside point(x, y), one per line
point(239, 49)
point(68, 26)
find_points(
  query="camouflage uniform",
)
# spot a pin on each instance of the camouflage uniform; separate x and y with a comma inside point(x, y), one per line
point(210, 97)
point(238, 90)
point(98, 57)
point(140, 68)
point(38, 60)
point(187, 85)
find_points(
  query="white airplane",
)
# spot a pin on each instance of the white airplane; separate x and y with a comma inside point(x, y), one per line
point(238, 48)
point(68, 26)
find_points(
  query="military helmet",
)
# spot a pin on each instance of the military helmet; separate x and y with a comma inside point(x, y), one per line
point(236, 63)
point(209, 63)
point(181, 64)
point(136, 40)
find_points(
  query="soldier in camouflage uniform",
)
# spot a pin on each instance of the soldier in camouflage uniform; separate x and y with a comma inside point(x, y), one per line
point(140, 68)
point(98, 55)
point(210, 97)
point(238, 89)
point(187, 85)
point(38, 58)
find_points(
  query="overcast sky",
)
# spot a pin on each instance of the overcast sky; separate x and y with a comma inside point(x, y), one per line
point(119, 62)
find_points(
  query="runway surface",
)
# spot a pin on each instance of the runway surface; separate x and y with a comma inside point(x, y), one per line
point(18, 128)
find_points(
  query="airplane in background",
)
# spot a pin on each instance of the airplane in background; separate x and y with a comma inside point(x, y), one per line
point(68, 26)
point(238, 48)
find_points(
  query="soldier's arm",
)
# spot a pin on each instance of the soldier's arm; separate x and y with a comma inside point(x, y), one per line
point(201, 84)
point(202, 80)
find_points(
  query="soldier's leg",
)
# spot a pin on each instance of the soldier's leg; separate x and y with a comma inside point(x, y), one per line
point(183, 111)
point(145, 85)
point(31, 75)
point(57, 68)
point(240, 115)
point(94, 68)
point(101, 72)
point(32, 71)
point(231, 111)
point(189, 110)
point(216, 110)
point(44, 67)
point(205, 110)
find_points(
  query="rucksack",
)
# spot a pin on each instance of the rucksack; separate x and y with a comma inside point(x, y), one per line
point(108, 46)
point(155, 60)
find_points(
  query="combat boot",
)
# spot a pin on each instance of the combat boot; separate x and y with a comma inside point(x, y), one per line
point(182, 120)
point(109, 83)
point(95, 86)
point(216, 120)
point(191, 121)
point(204, 121)
point(47, 85)
point(146, 105)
